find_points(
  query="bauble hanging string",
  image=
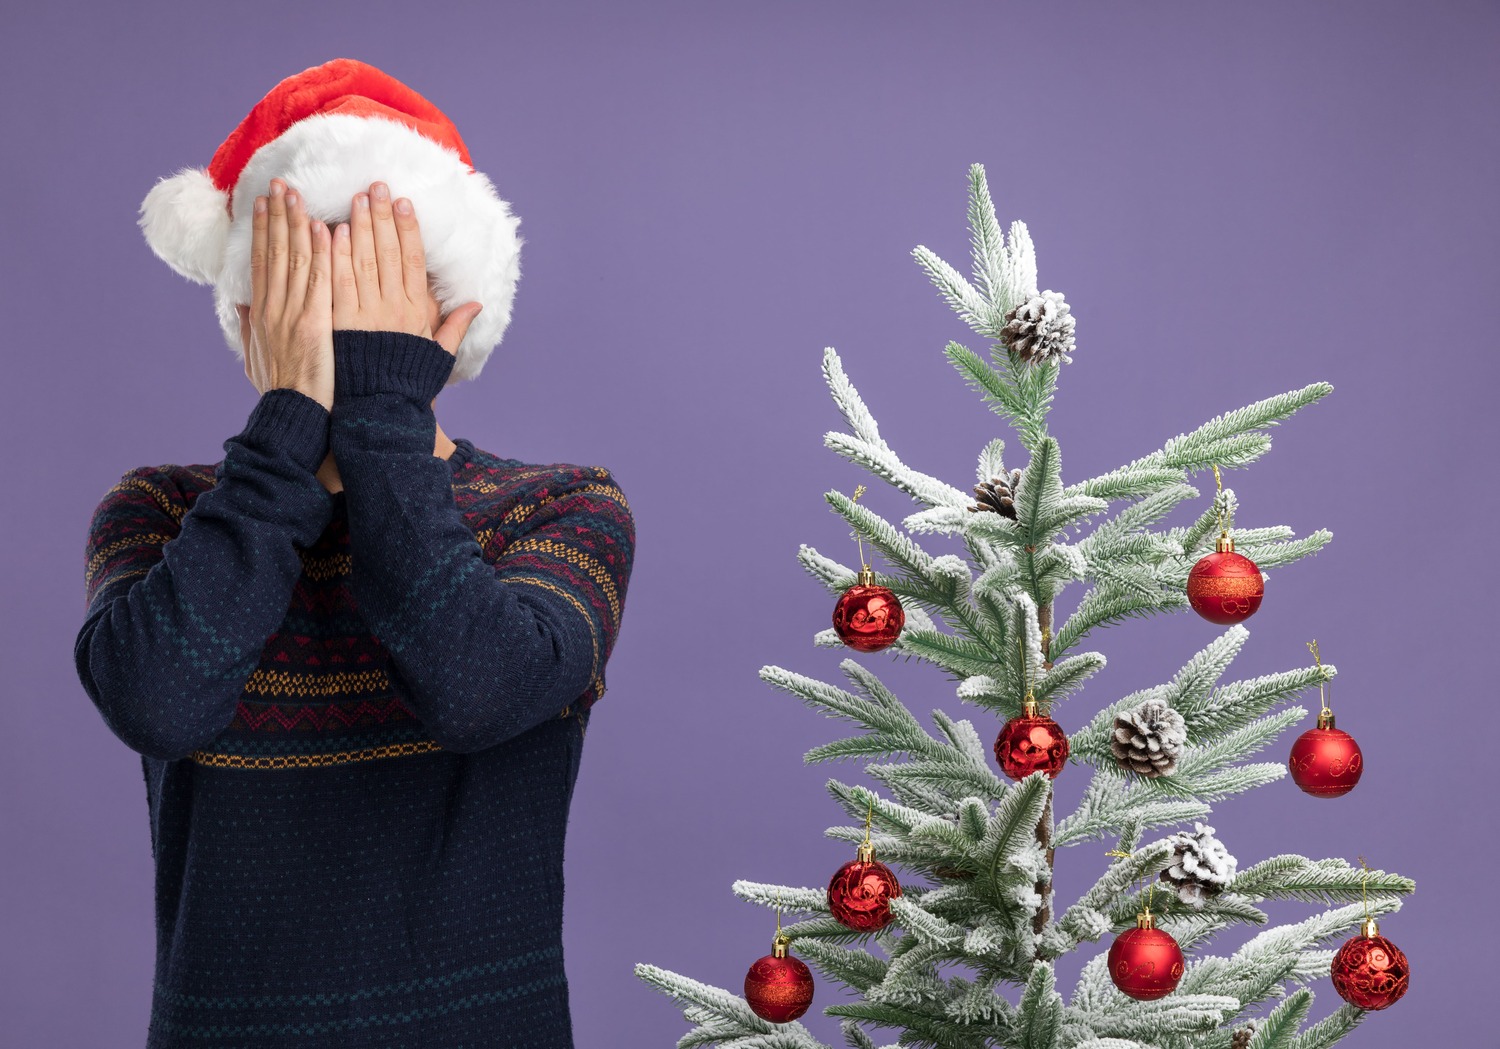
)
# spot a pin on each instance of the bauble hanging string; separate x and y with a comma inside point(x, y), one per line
point(860, 892)
point(1369, 971)
point(1145, 963)
point(1224, 586)
point(1030, 742)
point(1325, 761)
point(868, 617)
point(779, 987)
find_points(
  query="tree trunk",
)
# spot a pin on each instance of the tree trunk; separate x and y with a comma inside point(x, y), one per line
point(1044, 826)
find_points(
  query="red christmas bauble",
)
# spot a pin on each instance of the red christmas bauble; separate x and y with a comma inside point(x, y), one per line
point(1325, 761)
point(1145, 964)
point(1031, 743)
point(1370, 971)
point(779, 989)
point(860, 893)
point(868, 617)
point(1225, 587)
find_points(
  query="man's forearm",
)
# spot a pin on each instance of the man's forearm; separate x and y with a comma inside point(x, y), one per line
point(482, 659)
point(175, 628)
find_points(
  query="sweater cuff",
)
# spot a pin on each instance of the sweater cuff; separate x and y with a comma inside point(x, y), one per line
point(292, 423)
point(372, 362)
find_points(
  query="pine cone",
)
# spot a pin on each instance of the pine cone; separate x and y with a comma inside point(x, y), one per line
point(1200, 867)
point(1148, 739)
point(1039, 328)
point(1241, 1038)
point(998, 494)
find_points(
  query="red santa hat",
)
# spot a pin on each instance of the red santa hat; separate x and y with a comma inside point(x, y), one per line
point(330, 131)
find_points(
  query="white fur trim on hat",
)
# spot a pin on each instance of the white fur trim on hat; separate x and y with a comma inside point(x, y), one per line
point(468, 231)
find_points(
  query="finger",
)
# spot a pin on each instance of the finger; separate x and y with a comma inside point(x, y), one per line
point(276, 252)
point(244, 312)
point(247, 343)
point(413, 255)
point(345, 292)
point(258, 257)
point(362, 237)
point(387, 244)
point(452, 331)
point(298, 253)
point(319, 273)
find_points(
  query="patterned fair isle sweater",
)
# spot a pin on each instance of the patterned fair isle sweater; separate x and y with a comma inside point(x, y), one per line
point(360, 715)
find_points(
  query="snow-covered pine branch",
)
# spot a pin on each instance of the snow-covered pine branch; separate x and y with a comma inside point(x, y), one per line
point(1128, 482)
point(1105, 542)
point(725, 1019)
point(1082, 920)
point(1001, 686)
point(1225, 725)
point(786, 899)
point(1039, 1014)
point(1255, 971)
point(1331, 880)
point(866, 448)
point(852, 966)
point(1170, 912)
point(1327, 1031)
point(1102, 606)
point(890, 727)
point(1005, 273)
point(922, 582)
point(1233, 438)
point(968, 303)
point(1108, 807)
point(1023, 396)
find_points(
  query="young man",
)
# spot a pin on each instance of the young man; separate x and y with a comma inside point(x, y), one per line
point(356, 657)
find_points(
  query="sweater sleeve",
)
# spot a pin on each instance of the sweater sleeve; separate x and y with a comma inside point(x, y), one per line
point(488, 640)
point(181, 601)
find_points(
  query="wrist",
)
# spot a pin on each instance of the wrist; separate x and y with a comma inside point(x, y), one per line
point(367, 363)
point(291, 422)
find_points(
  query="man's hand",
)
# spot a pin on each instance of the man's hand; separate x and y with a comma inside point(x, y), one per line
point(285, 329)
point(380, 273)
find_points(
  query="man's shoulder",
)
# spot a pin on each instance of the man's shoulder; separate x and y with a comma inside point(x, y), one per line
point(170, 486)
point(507, 497)
point(502, 479)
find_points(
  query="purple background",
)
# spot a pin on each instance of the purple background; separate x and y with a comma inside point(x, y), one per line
point(1237, 201)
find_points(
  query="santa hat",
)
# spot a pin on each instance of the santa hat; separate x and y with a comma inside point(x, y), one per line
point(330, 131)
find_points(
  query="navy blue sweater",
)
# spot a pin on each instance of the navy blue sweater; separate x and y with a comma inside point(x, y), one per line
point(359, 715)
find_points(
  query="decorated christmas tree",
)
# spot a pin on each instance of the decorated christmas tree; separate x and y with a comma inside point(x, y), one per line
point(944, 923)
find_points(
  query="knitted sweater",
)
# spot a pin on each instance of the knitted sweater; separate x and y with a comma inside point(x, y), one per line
point(359, 715)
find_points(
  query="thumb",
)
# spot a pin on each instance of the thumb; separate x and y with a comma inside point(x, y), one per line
point(452, 331)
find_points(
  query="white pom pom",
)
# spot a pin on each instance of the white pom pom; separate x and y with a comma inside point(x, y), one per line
point(186, 224)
